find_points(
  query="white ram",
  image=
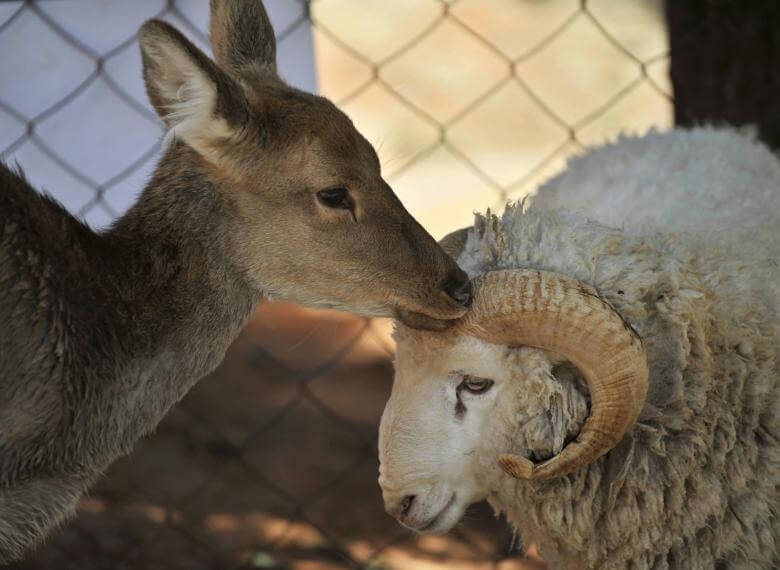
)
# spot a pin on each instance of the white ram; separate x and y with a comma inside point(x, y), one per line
point(689, 261)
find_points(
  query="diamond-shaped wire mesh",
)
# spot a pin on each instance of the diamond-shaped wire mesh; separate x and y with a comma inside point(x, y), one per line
point(270, 462)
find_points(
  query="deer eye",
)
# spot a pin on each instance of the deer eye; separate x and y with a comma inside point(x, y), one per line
point(335, 198)
point(475, 385)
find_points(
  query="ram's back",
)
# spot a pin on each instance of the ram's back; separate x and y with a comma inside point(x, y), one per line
point(696, 180)
point(720, 187)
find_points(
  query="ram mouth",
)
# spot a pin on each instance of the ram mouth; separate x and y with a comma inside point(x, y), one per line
point(431, 526)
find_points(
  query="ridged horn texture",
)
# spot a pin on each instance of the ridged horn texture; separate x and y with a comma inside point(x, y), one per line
point(561, 315)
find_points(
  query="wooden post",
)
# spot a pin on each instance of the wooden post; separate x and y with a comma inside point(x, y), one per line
point(726, 63)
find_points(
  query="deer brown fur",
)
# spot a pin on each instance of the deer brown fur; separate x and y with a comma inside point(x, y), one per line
point(103, 332)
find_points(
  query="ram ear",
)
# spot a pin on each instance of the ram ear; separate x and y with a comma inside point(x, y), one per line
point(454, 242)
point(198, 102)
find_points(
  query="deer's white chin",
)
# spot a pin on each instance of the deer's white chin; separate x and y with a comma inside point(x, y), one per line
point(361, 310)
point(422, 321)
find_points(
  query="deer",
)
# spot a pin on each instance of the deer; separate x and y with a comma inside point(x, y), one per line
point(263, 192)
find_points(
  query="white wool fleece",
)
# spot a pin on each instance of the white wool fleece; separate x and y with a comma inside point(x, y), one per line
point(691, 261)
point(682, 180)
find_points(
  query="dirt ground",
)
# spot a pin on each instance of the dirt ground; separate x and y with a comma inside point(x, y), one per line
point(270, 462)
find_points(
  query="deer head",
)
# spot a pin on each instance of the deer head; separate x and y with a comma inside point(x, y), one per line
point(311, 219)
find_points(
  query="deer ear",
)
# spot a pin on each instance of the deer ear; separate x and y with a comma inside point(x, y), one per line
point(242, 36)
point(198, 102)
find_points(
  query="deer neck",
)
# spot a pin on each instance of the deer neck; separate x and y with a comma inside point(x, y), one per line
point(177, 299)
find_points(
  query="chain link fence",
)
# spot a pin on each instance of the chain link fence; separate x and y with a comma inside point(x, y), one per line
point(270, 462)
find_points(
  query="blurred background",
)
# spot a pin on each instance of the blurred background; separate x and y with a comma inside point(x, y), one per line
point(270, 462)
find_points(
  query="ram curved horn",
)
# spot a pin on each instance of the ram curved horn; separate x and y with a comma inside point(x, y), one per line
point(561, 315)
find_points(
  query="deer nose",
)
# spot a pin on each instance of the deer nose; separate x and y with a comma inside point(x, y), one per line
point(459, 290)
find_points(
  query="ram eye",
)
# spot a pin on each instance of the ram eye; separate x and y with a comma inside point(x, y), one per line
point(337, 198)
point(475, 385)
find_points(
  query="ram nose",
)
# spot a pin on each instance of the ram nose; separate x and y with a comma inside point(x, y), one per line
point(401, 509)
point(407, 510)
point(433, 511)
